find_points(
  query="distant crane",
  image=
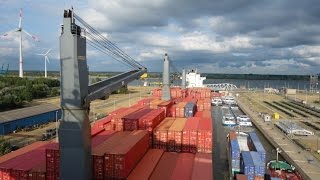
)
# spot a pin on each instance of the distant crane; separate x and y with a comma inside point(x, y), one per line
point(46, 59)
point(20, 29)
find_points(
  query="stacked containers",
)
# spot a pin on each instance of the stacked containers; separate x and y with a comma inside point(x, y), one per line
point(204, 137)
point(160, 134)
point(146, 166)
point(190, 134)
point(200, 106)
point(166, 105)
point(190, 109)
point(126, 155)
point(157, 92)
point(175, 135)
point(150, 121)
point(259, 166)
point(235, 156)
point(53, 153)
point(38, 172)
point(100, 166)
point(115, 113)
point(207, 104)
point(247, 164)
point(154, 103)
point(241, 177)
point(180, 109)
point(202, 167)
point(206, 114)
point(118, 119)
point(254, 144)
point(172, 111)
point(131, 121)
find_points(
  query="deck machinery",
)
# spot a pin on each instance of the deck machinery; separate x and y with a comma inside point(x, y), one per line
point(76, 94)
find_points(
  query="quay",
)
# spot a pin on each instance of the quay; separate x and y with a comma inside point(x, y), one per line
point(307, 165)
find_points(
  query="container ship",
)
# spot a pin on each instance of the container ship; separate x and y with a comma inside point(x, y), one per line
point(153, 139)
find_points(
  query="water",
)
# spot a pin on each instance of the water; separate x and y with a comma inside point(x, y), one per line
point(260, 84)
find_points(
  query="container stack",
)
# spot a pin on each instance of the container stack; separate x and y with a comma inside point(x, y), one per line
point(180, 134)
point(254, 144)
point(252, 166)
point(234, 154)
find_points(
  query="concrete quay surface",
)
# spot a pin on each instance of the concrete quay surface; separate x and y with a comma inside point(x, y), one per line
point(306, 164)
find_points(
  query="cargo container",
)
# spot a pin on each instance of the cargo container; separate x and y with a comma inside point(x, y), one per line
point(202, 167)
point(165, 167)
point(207, 104)
point(198, 114)
point(204, 144)
point(190, 134)
point(160, 134)
point(172, 111)
point(190, 99)
point(254, 144)
point(38, 172)
point(166, 105)
point(241, 177)
point(154, 103)
point(126, 155)
point(235, 149)
point(102, 166)
point(19, 166)
point(206, 114)
point(117, 120)
point(131, 121)
point(200, 106)
point(23, 150)
point(259, 166)
point(247, 164)
point(189, 109)
point(184, 166)
point(180, 109)
point(175, 135)
point(146, 166)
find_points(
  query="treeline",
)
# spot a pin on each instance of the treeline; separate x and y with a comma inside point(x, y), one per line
point(256, 76)
point(15, 91)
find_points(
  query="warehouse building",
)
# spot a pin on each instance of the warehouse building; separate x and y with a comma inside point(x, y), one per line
point(30, 116)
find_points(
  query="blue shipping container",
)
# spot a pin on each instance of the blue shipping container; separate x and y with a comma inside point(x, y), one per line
point(246, 164)
point(235, 149)
point(259, 166)
point(235, 164)
point(255, 144)
point(189, 109)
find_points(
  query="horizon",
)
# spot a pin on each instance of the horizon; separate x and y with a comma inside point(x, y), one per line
point(222, 37)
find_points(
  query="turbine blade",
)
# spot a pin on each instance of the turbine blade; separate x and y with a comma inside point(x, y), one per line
point(40, 54)
point(32, 36)
point(9, 32)
point(48, 51)
point(20, 18)
point(48, 60)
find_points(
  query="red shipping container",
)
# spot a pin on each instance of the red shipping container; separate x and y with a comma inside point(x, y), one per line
point(128, 153)
point(117, 119)
point(23, 150)
point(206, 114)
point(180, 109)
point(198, 114)
point(258, 177)
point(19, 166)
point(166, 105)
point(115, 113)
point(200, 106)
point(165, 166)
point(202, 167)
point(146, 166)
point(190, 135)
point(205, 135)
point(172, 111)
point(160, 134)
point(241, 177)
point(38, 172)
point(183, 169)
point(175, 135)
point(131, 121)
point(98, 154)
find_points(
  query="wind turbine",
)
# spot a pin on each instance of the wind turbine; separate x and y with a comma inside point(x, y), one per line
point(20, 30)
point(46, 59)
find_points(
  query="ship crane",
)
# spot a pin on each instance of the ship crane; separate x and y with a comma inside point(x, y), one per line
point(76, 94)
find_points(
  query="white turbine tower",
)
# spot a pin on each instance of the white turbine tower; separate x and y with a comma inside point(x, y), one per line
point(20, 30)
point(46, 59)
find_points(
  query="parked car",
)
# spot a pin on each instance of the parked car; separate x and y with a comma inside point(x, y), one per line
point(244, 120)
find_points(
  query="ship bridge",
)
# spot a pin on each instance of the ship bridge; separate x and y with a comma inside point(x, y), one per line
point(221, 87)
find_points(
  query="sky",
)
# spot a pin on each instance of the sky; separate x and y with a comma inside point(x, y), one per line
point(243, 36)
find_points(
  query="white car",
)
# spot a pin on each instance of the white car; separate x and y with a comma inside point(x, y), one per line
point(216, 102)
point(229, 100)
point(244, 120)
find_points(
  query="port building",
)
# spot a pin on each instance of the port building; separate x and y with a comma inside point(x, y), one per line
point(26, 117)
